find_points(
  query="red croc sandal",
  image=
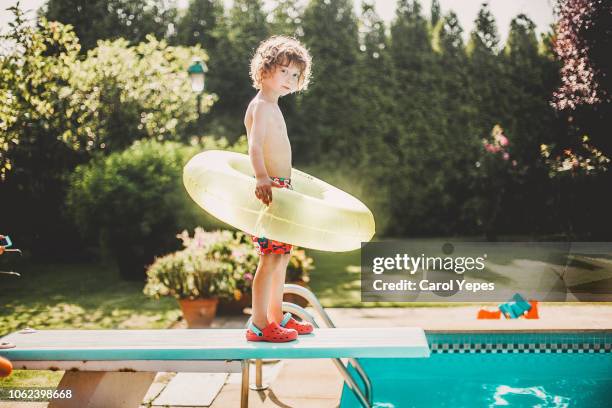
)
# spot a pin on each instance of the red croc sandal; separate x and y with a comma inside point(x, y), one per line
point(272, 333)
point(301, 327)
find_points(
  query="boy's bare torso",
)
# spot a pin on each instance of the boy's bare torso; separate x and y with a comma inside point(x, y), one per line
point(276, 148)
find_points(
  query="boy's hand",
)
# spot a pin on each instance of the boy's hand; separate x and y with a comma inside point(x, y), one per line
point(263, 190)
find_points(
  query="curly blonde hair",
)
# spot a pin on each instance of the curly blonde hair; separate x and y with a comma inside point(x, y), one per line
point(280, 50)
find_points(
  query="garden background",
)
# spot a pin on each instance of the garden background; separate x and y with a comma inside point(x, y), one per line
point(440, 137)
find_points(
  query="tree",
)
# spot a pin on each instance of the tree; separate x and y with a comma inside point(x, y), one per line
point(33, 90)
point(324, 128)
point(375, 122)
point(34, 99)
point(584, 102)
point(486, 73)
point(583, 43)
point(229, 74)
point(530, 122)
point(419, 100)
point(126, 93)
point(530, 116)
point(457, 117)
point(56, 110)
point(95, 20)
point(201, 25)
point(435, 12)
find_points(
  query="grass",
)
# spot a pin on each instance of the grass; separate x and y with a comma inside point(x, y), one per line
point(79, 295)
point(84, 296)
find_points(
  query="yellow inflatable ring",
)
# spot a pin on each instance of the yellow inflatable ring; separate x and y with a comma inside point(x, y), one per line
point(313, 215)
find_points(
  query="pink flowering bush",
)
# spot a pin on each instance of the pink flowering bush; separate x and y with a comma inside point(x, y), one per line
point(584, 160)
point(496, 169)
point(498, 143)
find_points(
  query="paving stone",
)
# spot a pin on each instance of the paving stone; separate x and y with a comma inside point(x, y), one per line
point(191, 389)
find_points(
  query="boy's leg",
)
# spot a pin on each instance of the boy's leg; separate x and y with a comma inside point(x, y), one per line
point(262, 286)
point(275, 307)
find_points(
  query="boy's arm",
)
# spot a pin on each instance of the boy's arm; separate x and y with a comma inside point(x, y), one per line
point(263, 190)
point(256, 140)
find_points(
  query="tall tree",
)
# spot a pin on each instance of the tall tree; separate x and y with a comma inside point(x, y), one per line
point(456, 117)
point(435, 12)
point(486, 73)
point(584, 102)
point(530, 122)
point(200, 24)
point(583, 43)
point(95, 20)
point(325, 128)
point(418, 102)
point(246, 27)
point(530, 116)
point(375, 123)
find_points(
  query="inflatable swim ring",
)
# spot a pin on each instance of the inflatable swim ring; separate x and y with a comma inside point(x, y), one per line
point(313, 215)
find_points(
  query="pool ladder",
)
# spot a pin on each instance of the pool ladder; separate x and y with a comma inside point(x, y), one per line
point(364, 397)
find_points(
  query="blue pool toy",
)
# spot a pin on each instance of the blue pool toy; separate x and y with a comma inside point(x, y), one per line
point(516, 308)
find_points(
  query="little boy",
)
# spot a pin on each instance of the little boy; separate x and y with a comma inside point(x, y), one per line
point(280, 66)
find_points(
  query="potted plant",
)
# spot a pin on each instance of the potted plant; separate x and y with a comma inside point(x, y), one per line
point(196, 280)
point(232, 248)
point(236, 251)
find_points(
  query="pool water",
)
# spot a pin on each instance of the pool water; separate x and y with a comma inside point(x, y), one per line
point(489, 370)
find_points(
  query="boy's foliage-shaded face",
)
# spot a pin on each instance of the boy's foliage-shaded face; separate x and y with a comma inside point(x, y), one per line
point(284, 79)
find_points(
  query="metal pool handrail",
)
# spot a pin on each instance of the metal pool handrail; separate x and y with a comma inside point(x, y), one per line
point(366, 400)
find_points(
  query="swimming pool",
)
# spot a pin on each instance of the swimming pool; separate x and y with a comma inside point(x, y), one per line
point(491, 369)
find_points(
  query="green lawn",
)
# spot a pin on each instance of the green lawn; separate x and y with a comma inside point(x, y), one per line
point(74, 295)
point(78, 295)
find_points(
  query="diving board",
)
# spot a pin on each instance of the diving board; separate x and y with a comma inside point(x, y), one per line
point(133, 352)
point(212, 344)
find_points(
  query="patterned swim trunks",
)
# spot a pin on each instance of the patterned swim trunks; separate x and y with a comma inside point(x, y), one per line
point(266, 246)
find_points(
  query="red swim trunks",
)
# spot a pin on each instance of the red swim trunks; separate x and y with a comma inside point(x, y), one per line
point(266, 246)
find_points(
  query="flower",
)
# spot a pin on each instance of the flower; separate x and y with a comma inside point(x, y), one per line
point(237, 294)
point(503, 140)
point(506, 156)
point(491, 148)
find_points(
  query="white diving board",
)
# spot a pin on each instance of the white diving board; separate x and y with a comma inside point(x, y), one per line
point(127, 358)
point(212, 344)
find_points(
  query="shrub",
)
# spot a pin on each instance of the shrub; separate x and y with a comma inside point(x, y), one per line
point(133, 202)
point(231, 248)
point(190, 274)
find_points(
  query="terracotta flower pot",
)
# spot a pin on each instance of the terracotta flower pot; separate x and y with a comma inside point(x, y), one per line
point(199, 313)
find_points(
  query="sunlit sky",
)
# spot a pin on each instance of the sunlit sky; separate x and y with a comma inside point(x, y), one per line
point(540, 11)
